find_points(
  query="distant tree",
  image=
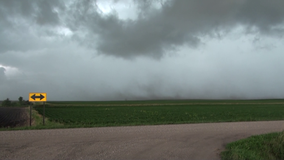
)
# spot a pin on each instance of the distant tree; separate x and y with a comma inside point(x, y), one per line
point(21, 100)
point(6, 102)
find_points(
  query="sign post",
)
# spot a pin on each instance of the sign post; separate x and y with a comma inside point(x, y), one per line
point(43, 121)
point(30, 115)
point(38, 97)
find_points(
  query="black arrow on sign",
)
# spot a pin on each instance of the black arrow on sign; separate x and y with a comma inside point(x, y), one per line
point(35, 97)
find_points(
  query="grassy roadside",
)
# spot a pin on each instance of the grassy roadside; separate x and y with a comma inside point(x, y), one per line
point(37, 122)
point(267, 147)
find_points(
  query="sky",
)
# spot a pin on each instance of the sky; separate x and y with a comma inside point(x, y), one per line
point(92, 50)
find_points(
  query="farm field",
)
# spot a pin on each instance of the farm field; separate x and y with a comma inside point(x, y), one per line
point(164, 102)
point(13, 116)
point(124, 113)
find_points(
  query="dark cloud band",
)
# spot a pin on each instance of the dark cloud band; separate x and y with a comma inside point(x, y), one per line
point(155, 31)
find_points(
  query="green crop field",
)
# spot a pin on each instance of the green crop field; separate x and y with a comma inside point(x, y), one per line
point(118, 113)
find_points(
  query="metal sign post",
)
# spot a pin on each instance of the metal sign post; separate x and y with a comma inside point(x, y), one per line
point(30, 114)
point(43, 121)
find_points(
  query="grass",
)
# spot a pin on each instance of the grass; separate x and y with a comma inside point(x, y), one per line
point(121, 113)
point(262, 147)
point(37, 123)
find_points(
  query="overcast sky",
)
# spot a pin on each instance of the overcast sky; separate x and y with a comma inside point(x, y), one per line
point(142, 49)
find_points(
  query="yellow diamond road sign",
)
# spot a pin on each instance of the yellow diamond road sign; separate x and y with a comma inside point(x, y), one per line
point(37, 97)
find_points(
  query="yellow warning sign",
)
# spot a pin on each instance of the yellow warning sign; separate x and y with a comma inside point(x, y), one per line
point(37, 97)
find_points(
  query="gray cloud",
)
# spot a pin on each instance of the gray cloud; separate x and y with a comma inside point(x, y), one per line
point(71, 73)
point(201, 49)
point(42, 12)
point(177, 23)
point(2, 74)
point(155, 31)
point(24, 23)
point(262, 14)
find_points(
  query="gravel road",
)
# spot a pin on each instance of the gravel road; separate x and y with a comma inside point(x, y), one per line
point(185, 141)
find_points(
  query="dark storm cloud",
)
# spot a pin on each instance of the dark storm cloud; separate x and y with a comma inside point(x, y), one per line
point(155, 31)
point(42, 11)
point(177, 23)
point(23, 23)
point(262, 14)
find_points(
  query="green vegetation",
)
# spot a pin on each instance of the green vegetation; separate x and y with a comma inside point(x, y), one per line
point(37, 123)
point(20, 100)
point(164, 102)
point(266, 147)
point(119, 113)
point(8, 103)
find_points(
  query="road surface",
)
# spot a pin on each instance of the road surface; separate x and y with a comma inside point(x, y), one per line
point(185, 141)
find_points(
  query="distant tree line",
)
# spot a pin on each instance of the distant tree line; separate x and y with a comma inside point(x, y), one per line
point(7, 102)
